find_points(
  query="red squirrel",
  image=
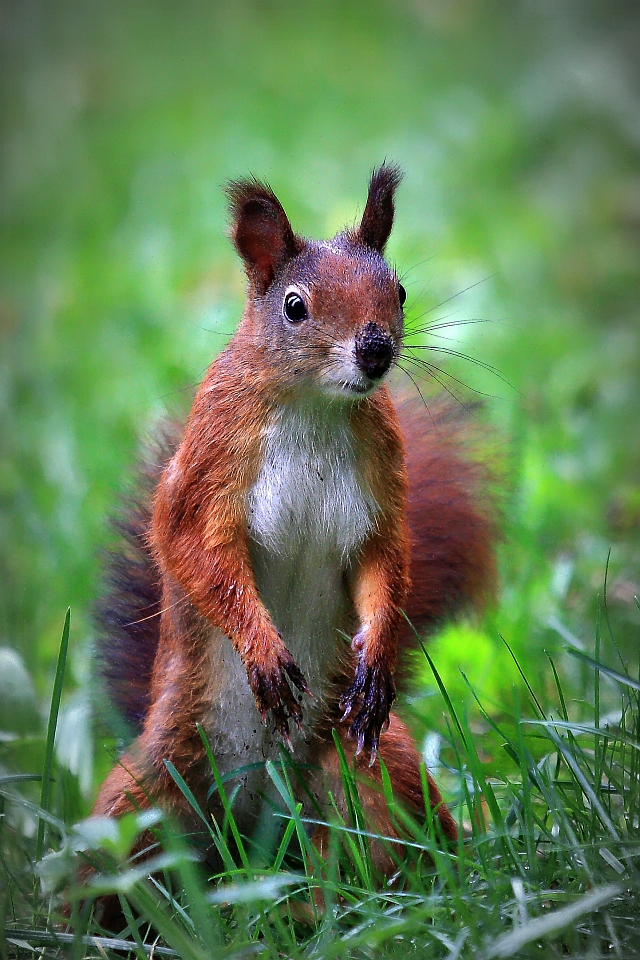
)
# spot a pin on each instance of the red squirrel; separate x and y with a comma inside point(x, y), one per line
point(289, 516)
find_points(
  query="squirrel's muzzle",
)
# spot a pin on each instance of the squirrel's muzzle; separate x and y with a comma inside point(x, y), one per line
point(374, 350)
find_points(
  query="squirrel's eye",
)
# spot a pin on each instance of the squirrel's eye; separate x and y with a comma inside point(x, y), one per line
point(402, 294)
point(294, 308)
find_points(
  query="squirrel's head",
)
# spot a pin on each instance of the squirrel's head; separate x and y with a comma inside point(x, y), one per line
point(329, 313)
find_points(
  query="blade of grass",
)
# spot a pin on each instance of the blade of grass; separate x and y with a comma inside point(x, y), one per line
point(20, 778)
point(170, 898)
point(596, 674)
point(597, 740)
point(527, 809)
point(356, 814)
point(523, 675)
point(293, 807)
point(583, 782)
point(34, 809)
point(622, 678)
point(531, 772)
point(510, 944)
point(187, 793)
point(585, 728)
point(137, 946)
point(45, 793)
point(444, 693)
point(436, 675)
point(605, 604)
point(437, 843)
point(481, 780)
point(284, 845)
point(199, 910)
point(563, 705)
point(40, 938)
point(226, 803)
point(355, 832)
point(186, 946)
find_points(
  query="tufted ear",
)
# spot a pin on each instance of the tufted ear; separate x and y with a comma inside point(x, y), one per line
point(377, 219)
point(260, 231)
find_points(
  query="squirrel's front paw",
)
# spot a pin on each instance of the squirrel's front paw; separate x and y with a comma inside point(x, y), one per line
point(373, 688)
point(271, 689)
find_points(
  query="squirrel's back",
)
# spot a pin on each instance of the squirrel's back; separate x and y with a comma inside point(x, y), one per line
point(451, 525)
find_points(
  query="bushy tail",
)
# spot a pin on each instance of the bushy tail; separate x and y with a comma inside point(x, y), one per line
point(452, 529)
point(451, 516)
point(128, 610)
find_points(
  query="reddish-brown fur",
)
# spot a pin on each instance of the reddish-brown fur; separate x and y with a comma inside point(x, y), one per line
point(402, 761)
point(199, 540)
point(450, 515)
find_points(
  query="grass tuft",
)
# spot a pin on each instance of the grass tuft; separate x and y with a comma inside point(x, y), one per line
point(549, 856)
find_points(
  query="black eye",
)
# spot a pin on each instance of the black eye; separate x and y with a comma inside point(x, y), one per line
point(402, 294)
point(294, 308)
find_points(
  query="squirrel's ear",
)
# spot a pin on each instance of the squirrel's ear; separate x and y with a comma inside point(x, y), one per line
point(260, 230)
point(377, 219)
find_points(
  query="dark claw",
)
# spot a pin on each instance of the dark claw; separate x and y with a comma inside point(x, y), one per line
point(273, 693)
point(296, 676)
point(347, 711)
point(374, 691)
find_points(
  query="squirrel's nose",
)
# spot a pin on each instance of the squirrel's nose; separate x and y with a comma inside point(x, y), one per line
point(374, 350)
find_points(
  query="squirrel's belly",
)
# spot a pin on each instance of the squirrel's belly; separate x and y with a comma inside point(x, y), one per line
point(309, 513)
point(310, 606)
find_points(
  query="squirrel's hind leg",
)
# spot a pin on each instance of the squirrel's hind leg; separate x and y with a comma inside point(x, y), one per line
point(402, 761)
point(133, 785)
point(122, 792)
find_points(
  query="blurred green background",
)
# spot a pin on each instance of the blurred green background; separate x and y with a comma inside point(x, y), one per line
point(518, 126)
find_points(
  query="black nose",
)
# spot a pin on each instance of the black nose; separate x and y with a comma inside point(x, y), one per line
point(374, 350)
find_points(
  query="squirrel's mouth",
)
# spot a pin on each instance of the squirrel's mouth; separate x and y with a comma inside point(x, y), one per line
point(348, 386)
point(349, 374)
point(360, 388)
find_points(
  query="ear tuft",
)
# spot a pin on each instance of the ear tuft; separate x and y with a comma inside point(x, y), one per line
point(377, 219)
point(260, 230)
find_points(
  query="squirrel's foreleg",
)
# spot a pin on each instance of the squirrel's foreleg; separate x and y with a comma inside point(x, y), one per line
point(380, 586)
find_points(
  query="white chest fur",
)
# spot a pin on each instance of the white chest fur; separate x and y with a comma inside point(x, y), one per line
point(309, 513)
point(308, 490)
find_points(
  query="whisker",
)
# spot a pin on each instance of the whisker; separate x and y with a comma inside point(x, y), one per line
point(420, 394)
point(429, 325)
point(463, 356)
point(436, 336)
point(436, 325)
point(440, 383)
point(187, 387)
point(452, 353)
point(132, 623)
point(216, 333)
point(420, 263)
point(430, 367)
point(460, 292)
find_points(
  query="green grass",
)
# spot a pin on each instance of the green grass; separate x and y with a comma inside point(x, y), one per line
point(548, 857)
point(515, 124)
